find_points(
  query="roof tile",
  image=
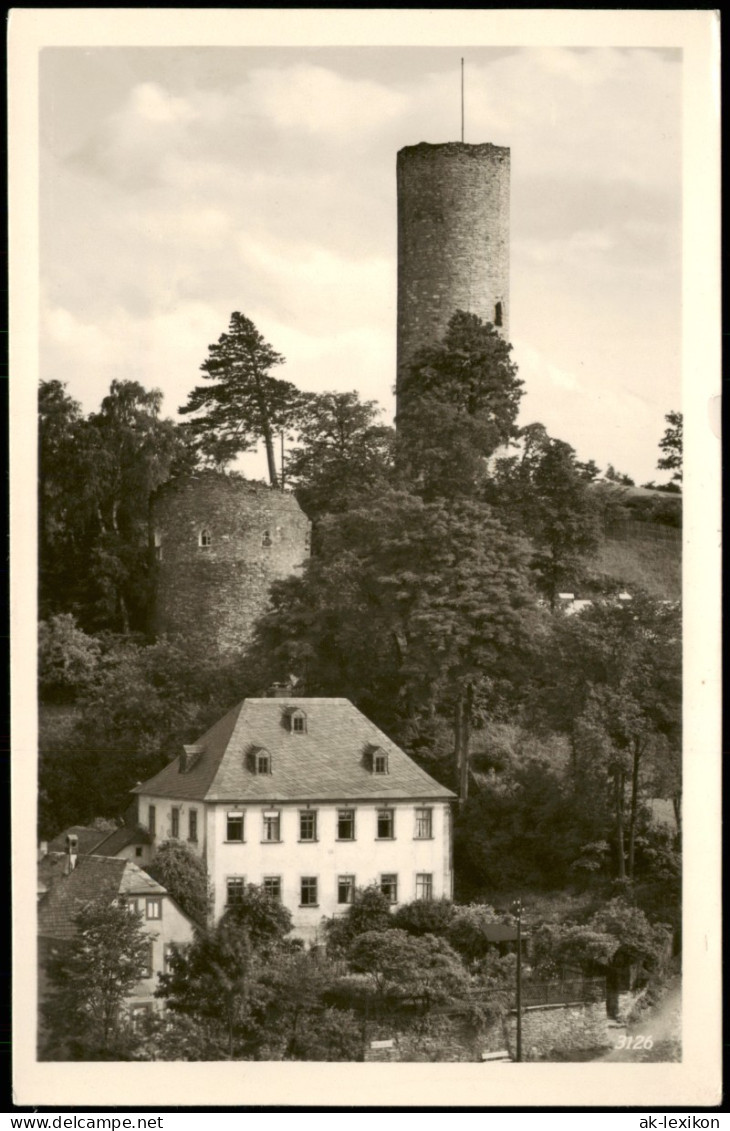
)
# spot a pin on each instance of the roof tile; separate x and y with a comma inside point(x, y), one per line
point(329, 761)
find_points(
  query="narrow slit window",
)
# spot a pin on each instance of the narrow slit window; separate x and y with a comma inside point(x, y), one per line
point(498, 314)
point(206, 539)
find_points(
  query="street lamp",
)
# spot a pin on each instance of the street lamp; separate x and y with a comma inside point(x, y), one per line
point(517, 912)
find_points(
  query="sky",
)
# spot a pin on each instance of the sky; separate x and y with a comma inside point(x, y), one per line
point(178, 185)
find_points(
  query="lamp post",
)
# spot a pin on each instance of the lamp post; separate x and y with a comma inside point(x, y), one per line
point(517, 910)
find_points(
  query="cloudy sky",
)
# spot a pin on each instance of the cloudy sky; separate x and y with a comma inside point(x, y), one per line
point(181, 184)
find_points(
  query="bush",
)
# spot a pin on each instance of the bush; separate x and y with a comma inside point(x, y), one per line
point(425, 917)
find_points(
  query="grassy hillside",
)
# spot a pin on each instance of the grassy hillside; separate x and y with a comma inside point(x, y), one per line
point(641, 554)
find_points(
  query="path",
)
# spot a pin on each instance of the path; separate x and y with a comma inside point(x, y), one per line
point(661, 1023)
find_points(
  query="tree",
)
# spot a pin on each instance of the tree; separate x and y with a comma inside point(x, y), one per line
point(409, 606)
point(91, 977)
point(184, 874)
point(369, 911)
point(425, 917)
point(60, 482)
point(458, 403)
point(219, 981)
point(671, 444)
point(96, 476)
point(243, 403)
point(342, 451)
point(545, 493)
point(141, 706)
point(210, 982)
point(68, 659)
point(612, 682)
point(403, 967)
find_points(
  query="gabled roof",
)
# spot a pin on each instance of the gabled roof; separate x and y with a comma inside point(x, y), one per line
point(88, 838)
point(102, 842)
point(115, 841)
point(93, 878)
point(328, 762)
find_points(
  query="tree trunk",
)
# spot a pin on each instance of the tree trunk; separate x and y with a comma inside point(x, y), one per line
point(634, 805)
point(457, 746)
point(270, 459)
point(618, 778)
point(124, 615)
point(462, 735)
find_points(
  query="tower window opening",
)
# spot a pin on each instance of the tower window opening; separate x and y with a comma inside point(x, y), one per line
point(266, 540)
point(206, 540)
point(498, 314)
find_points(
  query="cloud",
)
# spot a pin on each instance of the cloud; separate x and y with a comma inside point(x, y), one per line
point(269, 187)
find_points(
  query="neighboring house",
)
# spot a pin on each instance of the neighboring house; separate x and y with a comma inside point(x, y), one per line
point(66, 882)
point(310, 799)
point(126, 843)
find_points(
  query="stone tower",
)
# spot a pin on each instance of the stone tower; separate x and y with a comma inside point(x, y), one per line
point(453, 239)
point(218, 542)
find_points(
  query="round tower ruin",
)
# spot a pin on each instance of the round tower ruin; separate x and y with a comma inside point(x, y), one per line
point(453, 240)
point(218, 543)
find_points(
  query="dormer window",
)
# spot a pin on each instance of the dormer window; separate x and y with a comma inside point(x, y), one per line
point(205, 540)
point(189, 757)
point(298, 722)
point(263, 762)
point(380, 762)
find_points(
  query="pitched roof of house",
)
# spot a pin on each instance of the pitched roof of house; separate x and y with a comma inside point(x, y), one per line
point(331, 760)
point(115, 841)
point(88, 838)
point(102, 842)
point(93, 878)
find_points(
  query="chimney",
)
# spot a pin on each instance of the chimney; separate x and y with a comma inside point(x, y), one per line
point(72, 844)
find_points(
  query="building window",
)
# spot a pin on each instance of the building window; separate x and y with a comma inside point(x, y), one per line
point(345, 824)
point(263, 762)
point(298, 722)
point(153, 908)
point(424, 885)
point(345, 889)
point(167, 956)
point(385, 824)
point(152, 820)
point(174, 823)
point(389, 887)
point(206, 540)
point(140, 1013)
point(234, 890)
point(424, 824)
point(309, 891)
point(266, 540)
point(132, 906)
point(138, 851)
point(308, 824)
point(148, 961)
point(380, 762)
point(272, 887)
point(193, 825)
point(498, 314)
point(272, 825)
point(234, 827)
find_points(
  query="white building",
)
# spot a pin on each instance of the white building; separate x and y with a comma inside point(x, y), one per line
point(310, 799)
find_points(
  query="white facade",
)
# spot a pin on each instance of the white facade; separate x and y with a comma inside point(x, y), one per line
point(311, 800)
point(415, 862)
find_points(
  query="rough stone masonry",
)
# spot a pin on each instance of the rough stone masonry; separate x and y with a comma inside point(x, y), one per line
point(453, 239)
